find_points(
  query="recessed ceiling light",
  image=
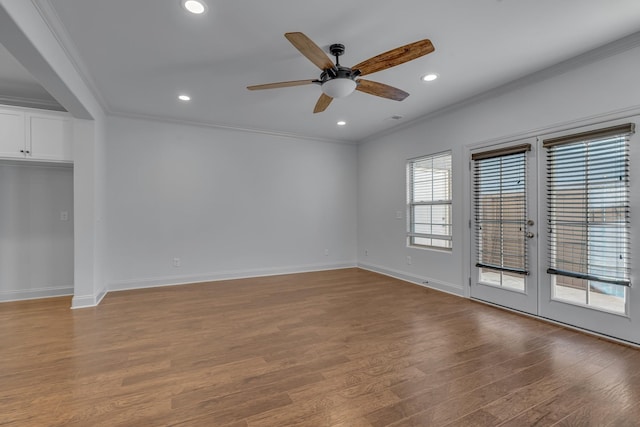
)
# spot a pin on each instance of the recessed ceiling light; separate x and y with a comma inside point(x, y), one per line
point(429, 77)
point(341, 123)
point(194, 6)
point(184, 98)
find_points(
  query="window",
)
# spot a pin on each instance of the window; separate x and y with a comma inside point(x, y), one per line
point(429, 200)
point(500, 212)
point(588, 220)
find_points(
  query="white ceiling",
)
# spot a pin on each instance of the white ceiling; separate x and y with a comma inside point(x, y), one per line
point(141, 54)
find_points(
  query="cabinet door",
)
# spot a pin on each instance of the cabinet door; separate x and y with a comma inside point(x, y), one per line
point(49, 137)
point(12, 137)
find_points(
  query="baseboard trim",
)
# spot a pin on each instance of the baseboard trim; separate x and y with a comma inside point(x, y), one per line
point(27, 294)
point(427, 282)
point(83, 301)
point(100, 296)
point(156, 282)
point(87, 301)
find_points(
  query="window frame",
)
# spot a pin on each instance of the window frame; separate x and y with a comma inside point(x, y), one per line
point(447, 202)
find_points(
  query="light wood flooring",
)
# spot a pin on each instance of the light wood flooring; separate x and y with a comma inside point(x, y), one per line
point(336, 348)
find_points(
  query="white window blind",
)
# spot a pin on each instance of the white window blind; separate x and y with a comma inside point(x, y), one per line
point(500, 208)
point(429, 199)
point(588, 205)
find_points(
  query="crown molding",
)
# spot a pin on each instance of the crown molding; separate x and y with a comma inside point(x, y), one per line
point(60, 33)
point(280, 134)
point(20, 101)
point(600, 53)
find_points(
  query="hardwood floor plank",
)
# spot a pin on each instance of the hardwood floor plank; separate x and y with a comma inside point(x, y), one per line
point(209, 398)
point(356, 383)
point(520, 400)
point(452, 402)
point(240, 410)
point(585, 391)
point(627, 418)
point(323, 410)
point(343, 348)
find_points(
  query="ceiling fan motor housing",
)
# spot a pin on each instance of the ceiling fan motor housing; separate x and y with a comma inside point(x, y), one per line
point(338, 72)
point(338, 81)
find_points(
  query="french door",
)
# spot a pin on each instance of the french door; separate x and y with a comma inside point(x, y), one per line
point(551, 228)
point(585, 279)
point(504, 226)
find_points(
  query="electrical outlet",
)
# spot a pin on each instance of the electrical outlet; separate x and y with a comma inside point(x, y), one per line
point(398, 214)
point(64, 216)
point(177, 262)
point(366, 252)
point(408, 260)
point(326, 252)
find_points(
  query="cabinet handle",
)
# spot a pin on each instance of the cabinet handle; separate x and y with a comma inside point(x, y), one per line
point(28, 152)
point(22, 151)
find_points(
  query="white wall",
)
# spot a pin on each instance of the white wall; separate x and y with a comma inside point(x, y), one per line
point(609, 85)
point(36, 245)
point(227, 203)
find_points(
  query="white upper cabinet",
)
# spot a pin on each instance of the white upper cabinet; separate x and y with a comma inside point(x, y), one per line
point(12, 133)
point(35, 135)
point(49, 137)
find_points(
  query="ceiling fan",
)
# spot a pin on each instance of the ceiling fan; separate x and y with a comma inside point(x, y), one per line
point(337, 81)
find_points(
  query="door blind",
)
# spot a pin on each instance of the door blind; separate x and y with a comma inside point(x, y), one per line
point(588, 205)
point(500, 201)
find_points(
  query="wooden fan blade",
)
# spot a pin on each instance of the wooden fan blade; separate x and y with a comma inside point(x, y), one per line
point(280, 84)
point(382, 90)
point(323, 103)
point(309, 49)
point(395, 57)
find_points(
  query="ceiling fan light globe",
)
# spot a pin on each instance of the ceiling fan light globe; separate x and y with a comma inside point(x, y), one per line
point(339, 88)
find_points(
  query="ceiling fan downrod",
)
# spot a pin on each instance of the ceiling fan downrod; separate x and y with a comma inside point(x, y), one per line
point(337, 50)
point(338, 71)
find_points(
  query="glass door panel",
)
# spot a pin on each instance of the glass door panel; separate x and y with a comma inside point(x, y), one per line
point(504, 261)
